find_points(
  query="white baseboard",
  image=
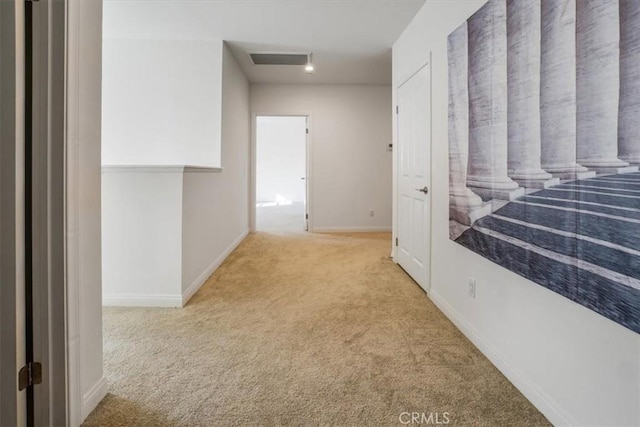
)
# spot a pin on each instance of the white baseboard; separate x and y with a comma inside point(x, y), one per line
point(142, 300)
point(351, 229)
point(93, 397)
point(521, 381)
point(197, 284)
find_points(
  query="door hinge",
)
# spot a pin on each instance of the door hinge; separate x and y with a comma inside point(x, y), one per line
point(306, 216)
point(396, 241)
point(397, 109)
point(30, 375)
point(307, 130)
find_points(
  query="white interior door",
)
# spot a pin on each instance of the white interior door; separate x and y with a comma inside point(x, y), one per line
point(414, 164)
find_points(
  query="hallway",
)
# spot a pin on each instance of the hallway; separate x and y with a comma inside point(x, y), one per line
point(314, 329)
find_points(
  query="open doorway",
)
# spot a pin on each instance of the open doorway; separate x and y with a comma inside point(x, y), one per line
point(281, 173)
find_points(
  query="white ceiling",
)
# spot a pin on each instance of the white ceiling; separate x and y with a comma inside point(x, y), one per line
point(350, 39)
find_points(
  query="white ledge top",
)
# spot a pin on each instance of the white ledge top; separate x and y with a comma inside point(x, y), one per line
point(159, 169)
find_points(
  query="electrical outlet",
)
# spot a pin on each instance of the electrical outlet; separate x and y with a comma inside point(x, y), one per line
point(372, 213)
point(472, 287)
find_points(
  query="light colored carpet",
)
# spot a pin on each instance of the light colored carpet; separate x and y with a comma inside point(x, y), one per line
point(301, 330)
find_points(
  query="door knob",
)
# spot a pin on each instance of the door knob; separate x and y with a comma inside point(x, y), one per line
point(303, 178)
point(424, 189)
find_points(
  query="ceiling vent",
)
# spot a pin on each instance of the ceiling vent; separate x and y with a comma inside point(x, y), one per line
point(280, 58)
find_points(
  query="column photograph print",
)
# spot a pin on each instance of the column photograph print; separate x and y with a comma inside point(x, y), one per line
point(544, 146)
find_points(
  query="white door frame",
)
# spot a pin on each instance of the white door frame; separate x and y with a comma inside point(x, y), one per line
point(33, 208)
point(396, 169)
point(82, 77)
point(253, 166)
point(48, 210)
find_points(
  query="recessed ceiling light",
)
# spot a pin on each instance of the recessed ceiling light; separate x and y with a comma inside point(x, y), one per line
point(309, 67)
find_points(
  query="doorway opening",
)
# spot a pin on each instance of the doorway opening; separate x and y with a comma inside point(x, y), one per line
point(282, 182)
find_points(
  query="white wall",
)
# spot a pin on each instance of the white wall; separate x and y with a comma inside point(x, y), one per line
point(167, 228)
point(142, 235)
point(161, 102)
point(281, 158)
point(576, 366)
point(216, 206)
point(350, 170)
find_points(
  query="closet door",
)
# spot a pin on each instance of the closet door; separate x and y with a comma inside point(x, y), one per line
point(413, 234)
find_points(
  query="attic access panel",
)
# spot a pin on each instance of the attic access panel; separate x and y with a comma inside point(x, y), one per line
point(279, 58)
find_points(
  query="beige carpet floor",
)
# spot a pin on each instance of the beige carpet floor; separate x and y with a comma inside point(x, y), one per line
point(301, 329)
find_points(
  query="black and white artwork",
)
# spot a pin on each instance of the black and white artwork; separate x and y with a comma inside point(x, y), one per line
point(544, 146)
